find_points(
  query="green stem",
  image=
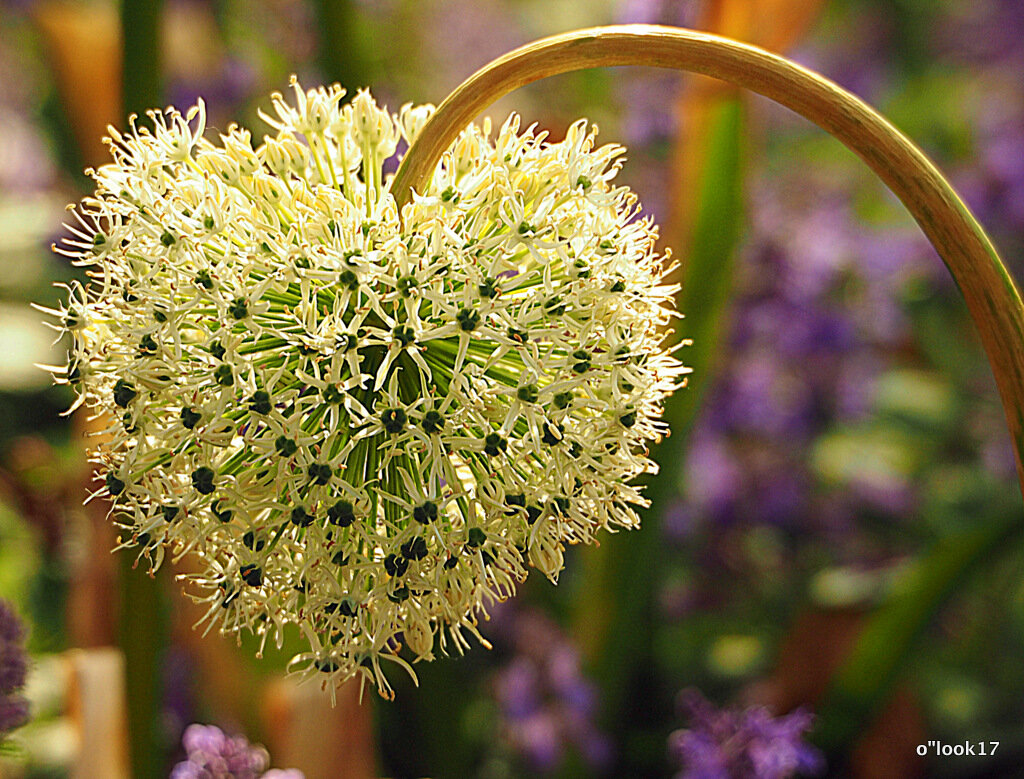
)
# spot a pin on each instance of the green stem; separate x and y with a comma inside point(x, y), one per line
point(144, 614)
point(615, 618)
point(340, 50)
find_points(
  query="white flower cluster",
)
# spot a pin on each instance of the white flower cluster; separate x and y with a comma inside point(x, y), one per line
point(361, 422)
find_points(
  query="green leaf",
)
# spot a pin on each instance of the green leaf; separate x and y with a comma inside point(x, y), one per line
point(708, 264)
point(615, 617)
point(865, 680)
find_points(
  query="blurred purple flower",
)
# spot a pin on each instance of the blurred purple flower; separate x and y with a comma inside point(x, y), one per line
point(984, 39)
point(993, 184)
point(679, 521)
point(741, 743)
point(997, 455)
point(214, 755)
point(860, 59)
point(817, 315)
point(714, 477)
point(819, 312)
point(18, 5)
point(546, 703)
point(178, 703)
point(855, 380)
point(649, 121)
point(26, 159)
point(466, 36)
point(12, 631)
point(681, 13)
point(14, 711)
point(26, 165)
point(222, 90)
point(982, 32)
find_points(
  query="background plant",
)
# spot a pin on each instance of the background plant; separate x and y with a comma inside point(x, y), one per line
point(780, 523)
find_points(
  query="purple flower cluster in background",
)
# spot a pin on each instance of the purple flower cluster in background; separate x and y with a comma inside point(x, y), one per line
point(817, 312)
point(26, 162)
point(229, 84)
point(214, 755)
point(741, 743)
point(13, 669)
point(985, 38)
point(859, 60)
point(984, 32)
point(650, 120)
point(546, 703)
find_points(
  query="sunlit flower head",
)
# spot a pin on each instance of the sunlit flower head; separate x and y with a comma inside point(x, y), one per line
point(362, 423)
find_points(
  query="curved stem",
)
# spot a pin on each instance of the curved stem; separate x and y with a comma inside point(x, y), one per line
point(992, 298)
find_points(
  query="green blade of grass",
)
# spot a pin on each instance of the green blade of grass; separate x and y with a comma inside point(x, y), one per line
point(615, 616)
point(865, 680)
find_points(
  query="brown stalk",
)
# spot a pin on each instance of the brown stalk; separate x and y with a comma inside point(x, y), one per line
point(992, 298)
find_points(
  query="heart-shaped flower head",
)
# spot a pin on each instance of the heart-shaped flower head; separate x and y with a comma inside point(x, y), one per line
point(365, 423)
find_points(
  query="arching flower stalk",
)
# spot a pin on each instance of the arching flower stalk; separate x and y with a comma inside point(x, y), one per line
point(362, 422)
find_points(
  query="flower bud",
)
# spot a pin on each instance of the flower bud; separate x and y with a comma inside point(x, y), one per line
point(222, 165)
point(546, 555)
point(420, 639)
point(412, 118)
point(238, 145)
point(268, 188)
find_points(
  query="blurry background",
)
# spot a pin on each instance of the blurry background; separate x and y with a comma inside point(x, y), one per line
point(837, 520)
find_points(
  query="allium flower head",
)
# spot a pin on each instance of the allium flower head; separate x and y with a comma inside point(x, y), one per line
point(365, 423)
